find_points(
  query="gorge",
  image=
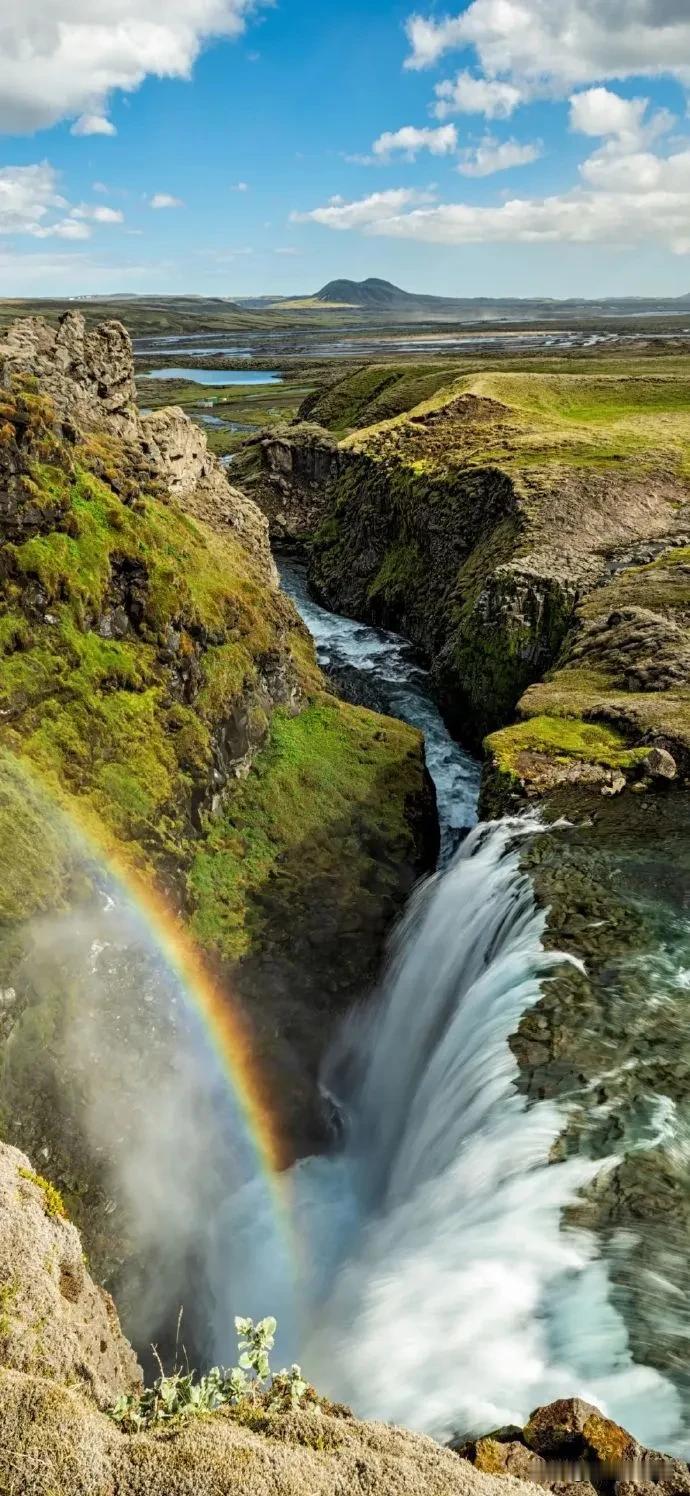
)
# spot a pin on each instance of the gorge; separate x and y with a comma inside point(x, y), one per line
point(480, 1202)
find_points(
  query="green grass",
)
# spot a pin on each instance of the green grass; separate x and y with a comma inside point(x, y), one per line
point(374, 393)
point(584, 411)
point(561, 738)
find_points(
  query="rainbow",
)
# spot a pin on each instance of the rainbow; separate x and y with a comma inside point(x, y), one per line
point(225, 1026)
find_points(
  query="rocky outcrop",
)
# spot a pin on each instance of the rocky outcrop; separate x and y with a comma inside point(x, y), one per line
point(435, 524)
point(88, 377)
point(570, 1446)
point(615, 710)
point(181, 460)
point(88, 373)
point(54, 1321)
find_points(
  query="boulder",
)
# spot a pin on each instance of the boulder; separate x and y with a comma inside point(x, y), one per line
point(572, 1428)
point(661, 764)
point(573, 1449)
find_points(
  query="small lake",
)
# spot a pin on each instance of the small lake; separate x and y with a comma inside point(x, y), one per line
point(216, 376)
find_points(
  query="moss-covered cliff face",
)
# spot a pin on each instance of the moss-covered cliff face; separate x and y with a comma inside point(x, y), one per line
point(158, 688)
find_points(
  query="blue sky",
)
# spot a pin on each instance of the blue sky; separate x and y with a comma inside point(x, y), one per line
point(509, 147)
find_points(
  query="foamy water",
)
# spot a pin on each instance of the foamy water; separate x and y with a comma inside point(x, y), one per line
point(432, 1282)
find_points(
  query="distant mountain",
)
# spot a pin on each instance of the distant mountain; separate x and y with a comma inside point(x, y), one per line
point(372, 294)
point(382, 300)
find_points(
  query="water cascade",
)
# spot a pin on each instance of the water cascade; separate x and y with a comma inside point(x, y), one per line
point(433, 1283)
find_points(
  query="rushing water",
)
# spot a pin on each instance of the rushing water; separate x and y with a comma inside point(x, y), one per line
point(429, 1280)
point(382, 670)
point(427, 1276)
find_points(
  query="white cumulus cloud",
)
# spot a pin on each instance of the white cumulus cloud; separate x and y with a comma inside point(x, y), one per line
point(548, 47)
point(31, 203)
point(165, 200)
point(99, 213)
point(493, 155)
point(63, 60)
point(93, 124)
point(466, 94)
point(410, 139)
point(378, 208)
point(624, 197)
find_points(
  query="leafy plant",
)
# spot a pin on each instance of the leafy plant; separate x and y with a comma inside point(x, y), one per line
point(183, 1395)
point(254, 1343)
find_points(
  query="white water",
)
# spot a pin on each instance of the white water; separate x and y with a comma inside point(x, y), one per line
point(435, 1283)
point(388, 671)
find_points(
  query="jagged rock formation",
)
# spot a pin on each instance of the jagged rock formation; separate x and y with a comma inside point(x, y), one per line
point(88, 373)
point(290, 472)
point(180, 457)
point(571, 1446)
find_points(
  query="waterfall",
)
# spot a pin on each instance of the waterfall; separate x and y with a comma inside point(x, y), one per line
point(434, 1283)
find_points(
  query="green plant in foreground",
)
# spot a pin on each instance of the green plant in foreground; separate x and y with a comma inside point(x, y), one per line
point(182, 1394)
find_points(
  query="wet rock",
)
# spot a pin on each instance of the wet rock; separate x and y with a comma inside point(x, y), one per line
point(572, 1449)
point(496, 1457)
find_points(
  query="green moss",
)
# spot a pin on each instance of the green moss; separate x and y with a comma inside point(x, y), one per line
point(228, 669)
point(375, 393)
point(400, 572)
point(332, 766)
point(52, 1199)
point(34, 861)
point(562, 738)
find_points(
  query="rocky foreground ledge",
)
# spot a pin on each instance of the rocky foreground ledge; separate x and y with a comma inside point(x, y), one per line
point(64, 1361)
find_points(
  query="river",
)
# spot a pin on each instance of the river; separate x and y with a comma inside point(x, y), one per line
point(381, 670)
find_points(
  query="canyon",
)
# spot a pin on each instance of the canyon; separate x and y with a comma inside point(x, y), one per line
point(514, 549)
